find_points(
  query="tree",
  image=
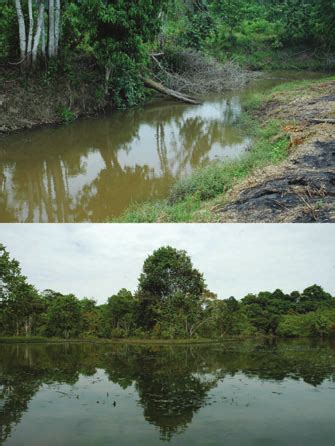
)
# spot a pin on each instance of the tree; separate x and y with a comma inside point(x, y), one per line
point(168, 281)
point(230, 11)
point(121, 311)
point(91, 318)
point(313, 298)
point(29, 44)
point(64, 317)
point(19, 301)
point(115, 33)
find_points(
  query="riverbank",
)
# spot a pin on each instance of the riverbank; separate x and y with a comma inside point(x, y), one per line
point(63, 93)
point(135, 341)
point(147, 341)
point(48, 97)
point(287, 176)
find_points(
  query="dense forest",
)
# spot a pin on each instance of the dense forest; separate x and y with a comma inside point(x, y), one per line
point(112, 44)
point(172, 301)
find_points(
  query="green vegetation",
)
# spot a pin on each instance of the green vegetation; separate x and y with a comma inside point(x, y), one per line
point(172, 301)
point(117, 37)
point(188, 195)
point(66, 114)
point(191, 197)
point(53, 39)
point(287, 34)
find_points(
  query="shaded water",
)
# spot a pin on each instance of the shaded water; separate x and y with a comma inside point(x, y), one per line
point(237, 393)
point(93, 169)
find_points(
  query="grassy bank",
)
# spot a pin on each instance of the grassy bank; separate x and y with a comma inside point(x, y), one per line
point(43, 340)
point(188, 196)
point(191, 199)
point(295, 58)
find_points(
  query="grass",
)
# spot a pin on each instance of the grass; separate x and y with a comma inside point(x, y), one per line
point(187, 196)
point(191, 198)
point(43, 340)
point(284, 59)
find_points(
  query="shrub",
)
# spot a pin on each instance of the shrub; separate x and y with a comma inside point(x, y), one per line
point(118, 333)
point(65, 114)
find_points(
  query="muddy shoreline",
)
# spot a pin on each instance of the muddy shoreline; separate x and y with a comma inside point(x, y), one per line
point(41, 100)
point(302, 189)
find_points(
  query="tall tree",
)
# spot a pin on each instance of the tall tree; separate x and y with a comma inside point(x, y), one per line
point(64, 317)
point(121, 311)
point(167, 274)
point(19, 301)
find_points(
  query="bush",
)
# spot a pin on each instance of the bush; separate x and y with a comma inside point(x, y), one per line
point(259, 35)
point(316, 323)
point(322, 323)
point(292, 326)
point(65, 114)
point(217, 178)
point(8, 35)
point(119, 333)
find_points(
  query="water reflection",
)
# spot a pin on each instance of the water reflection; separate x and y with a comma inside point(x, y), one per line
point(170, 385)
point(93, 169)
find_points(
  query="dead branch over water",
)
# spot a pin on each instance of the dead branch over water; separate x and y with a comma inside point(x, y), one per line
point(195, 73)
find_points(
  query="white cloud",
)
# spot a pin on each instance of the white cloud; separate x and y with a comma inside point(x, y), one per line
point(98, 259)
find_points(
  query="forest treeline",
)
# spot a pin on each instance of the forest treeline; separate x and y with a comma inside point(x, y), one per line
point(171, 301)
point(118, 37)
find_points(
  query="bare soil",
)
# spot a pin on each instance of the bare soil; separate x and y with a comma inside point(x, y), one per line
point(38, 99)
point(301, 189)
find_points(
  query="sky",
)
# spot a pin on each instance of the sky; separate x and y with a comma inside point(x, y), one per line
point(96, 260)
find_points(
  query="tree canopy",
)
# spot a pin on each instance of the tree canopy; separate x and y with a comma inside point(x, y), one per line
point(116, 37)
point(171, 301)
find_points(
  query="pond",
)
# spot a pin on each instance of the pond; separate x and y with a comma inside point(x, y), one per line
point(232, 393)
point(93, 169)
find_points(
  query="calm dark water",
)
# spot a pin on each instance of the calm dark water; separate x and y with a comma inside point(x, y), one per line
point(236, 393)
point(93, 169)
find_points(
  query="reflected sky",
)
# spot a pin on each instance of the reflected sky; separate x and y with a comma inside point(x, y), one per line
point(233, 393)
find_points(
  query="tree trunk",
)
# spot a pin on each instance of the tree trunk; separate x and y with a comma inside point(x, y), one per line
point(108, 72)
point(30, 32)
point(27, 325)
point(57, 25)
point(51, 47)
point(43, 45)
point(39, 30)
point(22, 29)
point(174, 94)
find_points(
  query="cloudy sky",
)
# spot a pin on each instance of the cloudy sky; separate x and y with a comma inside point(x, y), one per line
point(97, 260)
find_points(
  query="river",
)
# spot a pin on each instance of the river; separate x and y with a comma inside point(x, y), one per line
point(236, 393)
point(92, 169)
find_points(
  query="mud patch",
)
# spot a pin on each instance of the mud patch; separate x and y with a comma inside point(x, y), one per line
point(27, 102)
point(299, 197)
point(303, 188)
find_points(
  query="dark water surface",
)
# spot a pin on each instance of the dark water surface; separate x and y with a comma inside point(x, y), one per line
point(93, 169)
point(236, 393)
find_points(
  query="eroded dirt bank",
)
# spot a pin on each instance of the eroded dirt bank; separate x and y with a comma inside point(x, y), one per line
point(302, 189)
point(42, 99)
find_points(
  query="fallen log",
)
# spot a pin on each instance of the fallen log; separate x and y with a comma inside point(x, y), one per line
point(167, 91)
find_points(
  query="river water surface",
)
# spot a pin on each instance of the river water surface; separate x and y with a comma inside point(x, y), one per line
point(237, 393)
point(93, 169)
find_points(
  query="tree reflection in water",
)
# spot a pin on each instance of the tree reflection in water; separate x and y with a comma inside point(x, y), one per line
point(172, 382)
point(95, 168)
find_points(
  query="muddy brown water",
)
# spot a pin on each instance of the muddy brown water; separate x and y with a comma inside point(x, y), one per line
point(93, 169)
